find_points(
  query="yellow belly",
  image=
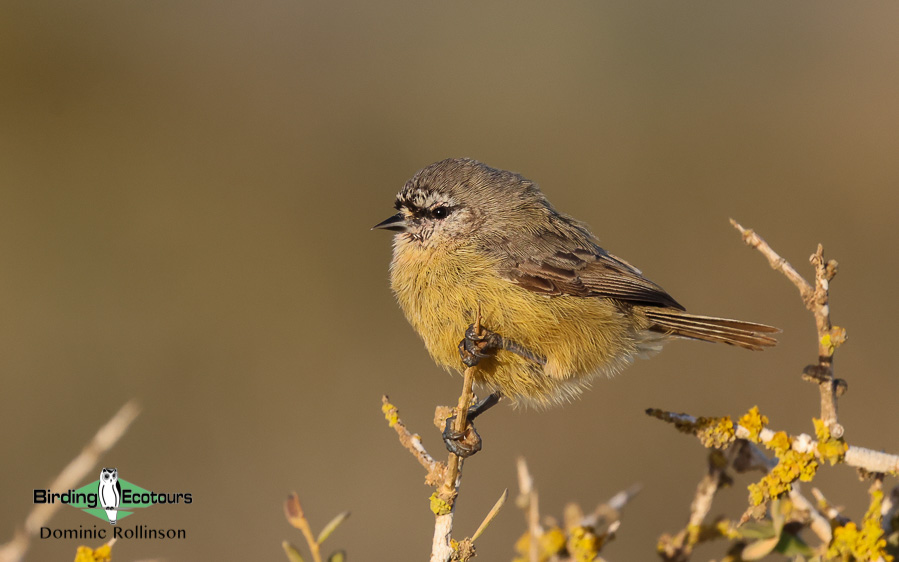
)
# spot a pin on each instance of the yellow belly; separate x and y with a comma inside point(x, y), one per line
point(439, 292)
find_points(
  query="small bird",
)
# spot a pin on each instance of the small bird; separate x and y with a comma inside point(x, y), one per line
point(556, 309)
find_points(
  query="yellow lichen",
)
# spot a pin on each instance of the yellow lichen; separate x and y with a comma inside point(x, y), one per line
point(780, 443)
point(693, 532)
point(792, 465)
point(439, 506)
point(552, 541)
point(868, 543)
point(829, 449)
point(727, 529)
point(462, 550)
point(754, 423)
point(827, 343)
point(715, 432)
point(549, 544)
point(87, 554)
point(756, 494)
point(390, 413)
point(583, 544)
point(833, 339)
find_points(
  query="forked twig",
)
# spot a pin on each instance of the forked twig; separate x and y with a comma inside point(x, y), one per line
point(816, 299)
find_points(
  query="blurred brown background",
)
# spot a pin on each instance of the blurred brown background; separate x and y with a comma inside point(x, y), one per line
point(187, 192)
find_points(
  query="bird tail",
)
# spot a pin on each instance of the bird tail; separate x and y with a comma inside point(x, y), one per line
point(706, 328)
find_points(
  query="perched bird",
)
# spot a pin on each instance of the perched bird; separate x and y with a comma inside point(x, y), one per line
point(556, 309)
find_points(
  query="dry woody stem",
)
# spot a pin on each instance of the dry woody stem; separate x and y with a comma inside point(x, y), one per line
point(857, 457)
point(445, 477)
point(777, 497)
point(816, 299)
point(441, 547)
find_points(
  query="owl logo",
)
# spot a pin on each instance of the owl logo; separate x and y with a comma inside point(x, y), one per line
point(110, 492)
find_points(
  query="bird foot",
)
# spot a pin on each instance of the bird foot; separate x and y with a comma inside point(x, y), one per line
point(479, 344)
point(462, 444)
point(467, 442)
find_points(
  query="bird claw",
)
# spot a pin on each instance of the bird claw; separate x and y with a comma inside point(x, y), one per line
point(462, 444)
point(478, 344)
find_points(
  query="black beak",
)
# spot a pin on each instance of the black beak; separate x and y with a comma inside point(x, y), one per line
point(397, 222)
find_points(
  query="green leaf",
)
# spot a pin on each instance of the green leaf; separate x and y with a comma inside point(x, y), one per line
point(758, 530)
point(791, 545)
point(332, 526)
point(292, 553)
point(339, 556)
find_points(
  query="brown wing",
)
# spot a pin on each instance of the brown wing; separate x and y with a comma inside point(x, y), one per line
point(587, 272)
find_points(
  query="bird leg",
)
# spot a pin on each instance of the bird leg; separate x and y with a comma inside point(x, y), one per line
point(467, 442)
point(479, 343)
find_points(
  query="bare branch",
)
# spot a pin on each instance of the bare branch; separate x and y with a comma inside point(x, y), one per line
point(681, 546)
point(412, 442)
point(816, 299)
point(817, 522)
point(858, 457)
point(441, 546)
point(753, 240)
point(528, 501)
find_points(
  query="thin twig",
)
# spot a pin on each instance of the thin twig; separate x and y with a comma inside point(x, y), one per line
point(890, 510)
point(681, 546)
point(817, 522)
point(753, 240)
point(831, 512)
point(816, 300)
point(441, 547)
point(491, 515)
point(297, 518)
point(528, 501)
point(454, 464)
point(412, 442)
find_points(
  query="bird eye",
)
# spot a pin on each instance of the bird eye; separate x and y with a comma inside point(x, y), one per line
point(440, 212)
